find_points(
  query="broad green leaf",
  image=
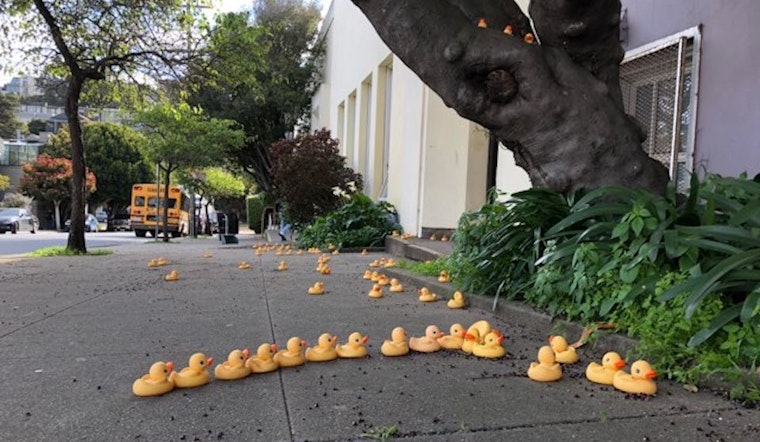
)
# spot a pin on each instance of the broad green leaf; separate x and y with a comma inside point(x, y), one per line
point(716, 324)
point(751, 306)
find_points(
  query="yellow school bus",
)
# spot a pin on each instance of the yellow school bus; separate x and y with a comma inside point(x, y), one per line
point(146, 210)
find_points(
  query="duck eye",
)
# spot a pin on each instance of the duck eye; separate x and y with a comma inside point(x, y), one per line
point(203, 362)
point(638, 371)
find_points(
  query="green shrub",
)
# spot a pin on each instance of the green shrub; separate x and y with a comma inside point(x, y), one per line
point(359, 223)
point(255, 205)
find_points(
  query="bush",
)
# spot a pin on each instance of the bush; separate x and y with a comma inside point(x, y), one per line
point(255, 205)
point(16, 200)
point(359, 223)
point(305, 171)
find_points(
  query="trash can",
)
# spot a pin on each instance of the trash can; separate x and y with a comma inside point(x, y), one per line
point(228, 227)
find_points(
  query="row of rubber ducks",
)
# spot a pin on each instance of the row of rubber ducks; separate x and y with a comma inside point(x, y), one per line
point(548, 368)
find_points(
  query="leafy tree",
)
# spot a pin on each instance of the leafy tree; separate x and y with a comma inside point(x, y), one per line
point(268, 91)
point(58, 144)
point(49, 179)
point(92, 40)
point(8, 122)
point(305, 172)
point(183, 137)
point(5, 182)
point(213, 184)
point(114, 155)
point(556, 105)
point(36, 126)
point(12, 199)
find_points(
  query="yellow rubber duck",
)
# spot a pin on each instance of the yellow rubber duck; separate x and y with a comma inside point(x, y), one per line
point(455, 338)
point(397, 345)
point(156, 382)
point(153, 263)
point(383, 280)
point(605, 372)
point(324, 350)
point(207, 255)
point(546, 369)
point(491, 347)
point(564, 353)
point(367, 275)
point(326, 270)
point(375, 263)
point(376, 291)
point(162, 261)
point(172, 276)
point(292, 354)
point(429, 342)
point(354, 348)
point(244, 265)
point(444, 238)
point(317, 289)
point(263, 360)
point(259, 252)
point(234, 367)
point(426, 296)
point(299, 252)
point(365, 252)
point(444, 276)
point(639, 381)
point(335, 252)
point(390, 262)
point(375, 276)
point(396, 286)
point(195, 374)
point(483, 327)
point(457, 301)
point(471, 339)
point(282, 266)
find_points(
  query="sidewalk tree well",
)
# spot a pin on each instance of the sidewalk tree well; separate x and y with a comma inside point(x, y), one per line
point(269, 89)
point(182, 136)
point(556, 105)
point(85, 41)
point(49, 179)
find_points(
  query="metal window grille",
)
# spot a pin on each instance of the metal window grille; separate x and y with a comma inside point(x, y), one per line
point(657, 89)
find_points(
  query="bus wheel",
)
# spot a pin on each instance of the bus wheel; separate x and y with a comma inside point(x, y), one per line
point(140, 233)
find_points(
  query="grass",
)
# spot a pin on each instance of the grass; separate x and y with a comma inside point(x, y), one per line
point(382, 433)
point(63, 251)
point(426, 268)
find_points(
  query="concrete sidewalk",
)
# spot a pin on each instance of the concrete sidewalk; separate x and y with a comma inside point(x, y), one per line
point(76, 332)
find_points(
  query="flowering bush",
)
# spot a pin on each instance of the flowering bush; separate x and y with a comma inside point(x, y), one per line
point(360, 222)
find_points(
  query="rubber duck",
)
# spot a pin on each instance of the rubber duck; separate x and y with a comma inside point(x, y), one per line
point(263, 360)
point(564, 353)
point(444, 238)
point(354, 348)
point(156, 382)
point(390, 262)
point(195, 374)
point(455, 338)
point(161, 261)
point(324, 350)
point(429, 342)
point(471, 338)
point(483, 327)
point(375, 276)
point(317, 289)
point(397, 345)
point(457, 301)
point(299, 252)
point(367, 274)
point(605, 372)
point(426, 296)
point(365, 252)
point(395, 233)
point(207, 255)
point(172, 276)
point(244, 265)
point(376, 291)
point(444, 276)
point(375, 263)
point(153, 263)
point(234, 367)
point(491, 347)
point(282, 266)
point(259, 252)
point(639, 381)
point(383, 280)
point(292, 354)
point(325, 270)
point(335, 252)
point(396, 286)
point(546, 369)
point(433, 237)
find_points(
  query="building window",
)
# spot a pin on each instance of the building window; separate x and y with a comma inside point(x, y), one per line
point(350, 130)
point(16, 154)
point(658, 83)
point(386, 80)
point(365, 117)
point(342, 127)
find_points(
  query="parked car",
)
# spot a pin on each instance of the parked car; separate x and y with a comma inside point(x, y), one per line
point(16, 219)
point(90, 223)
point(119, 223)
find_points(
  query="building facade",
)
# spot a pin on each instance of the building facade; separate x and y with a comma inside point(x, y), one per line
point(687, 79)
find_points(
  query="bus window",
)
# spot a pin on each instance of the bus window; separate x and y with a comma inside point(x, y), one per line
point(139, 201)
point(152, 202)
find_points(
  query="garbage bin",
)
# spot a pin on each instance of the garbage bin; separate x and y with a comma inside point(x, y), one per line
point(228, 227)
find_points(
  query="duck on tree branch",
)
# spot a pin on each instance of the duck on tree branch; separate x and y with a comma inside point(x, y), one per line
point(552, 98)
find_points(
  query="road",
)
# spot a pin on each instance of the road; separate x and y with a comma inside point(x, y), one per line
point(25, 242)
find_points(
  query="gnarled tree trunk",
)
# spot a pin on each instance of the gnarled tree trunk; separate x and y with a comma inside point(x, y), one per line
point(556, 105)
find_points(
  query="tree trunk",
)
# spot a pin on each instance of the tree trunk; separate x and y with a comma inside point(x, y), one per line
point(78, 178)
point(165, 215)
point(57, 208)
point(557, 106)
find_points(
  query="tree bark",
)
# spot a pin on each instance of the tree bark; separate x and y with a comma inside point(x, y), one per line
point(557, 106)
point(78, 177)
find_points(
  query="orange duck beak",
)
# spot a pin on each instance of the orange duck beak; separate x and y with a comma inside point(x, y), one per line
point(650, 374)
point(209, 362)
point(246, 353)
point(501, 339)
point(620, 364)
point(170, 366)
point(365, 339)
point(469, 336)
point(274, 347)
